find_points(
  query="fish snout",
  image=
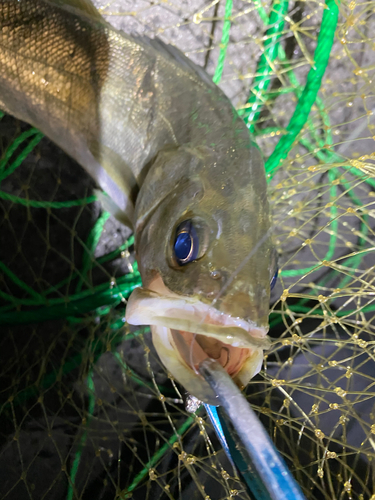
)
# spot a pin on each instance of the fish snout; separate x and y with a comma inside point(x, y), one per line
point(249, 304)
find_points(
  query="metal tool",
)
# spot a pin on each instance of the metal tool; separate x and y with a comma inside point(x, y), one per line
point(245, 440)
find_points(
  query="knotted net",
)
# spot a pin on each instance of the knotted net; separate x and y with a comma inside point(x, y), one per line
point(86, 408)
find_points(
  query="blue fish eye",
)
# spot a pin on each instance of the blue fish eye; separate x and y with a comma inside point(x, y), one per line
point(274, 279)
point(186, 243)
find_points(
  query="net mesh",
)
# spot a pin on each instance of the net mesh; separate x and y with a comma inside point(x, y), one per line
point(86, 408)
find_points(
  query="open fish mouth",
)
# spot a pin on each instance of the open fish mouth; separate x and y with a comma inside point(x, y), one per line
point(186, 331)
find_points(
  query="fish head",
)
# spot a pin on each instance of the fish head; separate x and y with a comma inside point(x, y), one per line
point(204, 250)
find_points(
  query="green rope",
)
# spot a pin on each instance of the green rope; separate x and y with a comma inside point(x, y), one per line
point(157, 456)
point(90, 413)
point(21, 284)
point(320, 312)
point(333, 236)
point(358, 173)
point(47, 204)
point(127, 369)
point(224, 42)
point(261, 11)
point(4, 172)
point(101, 346)
point(101, 260)
point(265, 65)
point(333, 174)
point(308, 96)
point(91, 244)
point(102, 296)
point(251, 115)
point(276, 316)
point(79, 303)
point(112, 255)
point(277, 15)
point(355, 261)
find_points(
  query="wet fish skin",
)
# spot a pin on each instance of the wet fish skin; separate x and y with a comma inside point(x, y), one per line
point(109, 100)
point(161, 139)
point(229, 200)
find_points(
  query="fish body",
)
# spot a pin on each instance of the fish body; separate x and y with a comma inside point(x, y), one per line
point(178, 166)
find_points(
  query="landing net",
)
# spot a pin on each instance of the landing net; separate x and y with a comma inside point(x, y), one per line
point(86, 409)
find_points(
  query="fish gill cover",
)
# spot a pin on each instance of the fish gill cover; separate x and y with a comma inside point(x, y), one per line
point(86, 408)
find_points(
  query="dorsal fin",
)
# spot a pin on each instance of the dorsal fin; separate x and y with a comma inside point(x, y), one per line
point(85, 7)
point(174, 53)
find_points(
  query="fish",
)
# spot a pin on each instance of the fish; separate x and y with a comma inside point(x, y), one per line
point(173, 161)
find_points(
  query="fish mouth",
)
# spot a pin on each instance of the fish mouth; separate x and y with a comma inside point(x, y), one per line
point(186, 331)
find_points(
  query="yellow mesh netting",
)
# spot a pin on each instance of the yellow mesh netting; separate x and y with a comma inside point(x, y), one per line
point(86, 408)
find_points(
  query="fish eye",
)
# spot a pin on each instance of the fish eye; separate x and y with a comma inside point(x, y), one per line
point(274, 279)
point(186, 243)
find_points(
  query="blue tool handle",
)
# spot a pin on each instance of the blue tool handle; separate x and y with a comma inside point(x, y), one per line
point(259, 463)
point(216, 421)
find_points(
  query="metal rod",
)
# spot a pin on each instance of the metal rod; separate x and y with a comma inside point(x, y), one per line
point(216, 423)
point(271, 479)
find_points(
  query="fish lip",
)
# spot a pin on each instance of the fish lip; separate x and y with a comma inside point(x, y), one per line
point(146, 306)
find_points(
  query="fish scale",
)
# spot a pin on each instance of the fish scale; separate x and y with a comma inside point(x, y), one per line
point(165, 145)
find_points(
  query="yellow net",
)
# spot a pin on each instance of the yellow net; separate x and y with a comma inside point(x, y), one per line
point(86, 408)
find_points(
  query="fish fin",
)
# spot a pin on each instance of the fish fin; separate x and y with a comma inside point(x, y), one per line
point(110, 206)
point(174, 53)
point(83, 6)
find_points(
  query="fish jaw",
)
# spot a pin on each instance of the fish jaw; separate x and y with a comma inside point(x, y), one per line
point(164, 340)
point(186, 331)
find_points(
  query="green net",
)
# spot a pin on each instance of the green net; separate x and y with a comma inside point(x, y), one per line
point(86, 408)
